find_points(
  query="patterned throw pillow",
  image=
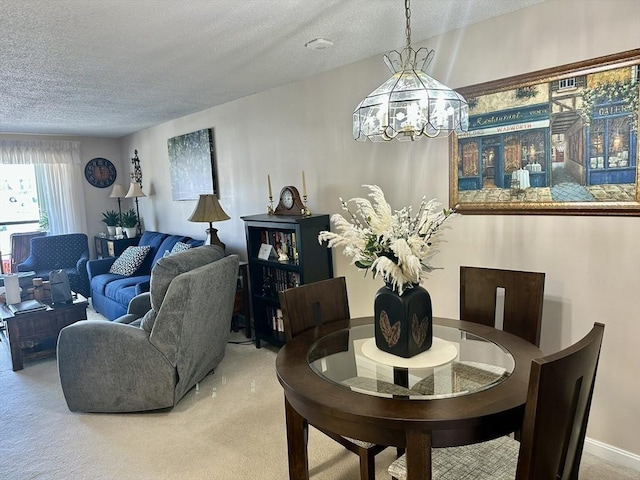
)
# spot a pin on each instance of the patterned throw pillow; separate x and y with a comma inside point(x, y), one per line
point(130, 260)
point(180, 247)
point(177, 248)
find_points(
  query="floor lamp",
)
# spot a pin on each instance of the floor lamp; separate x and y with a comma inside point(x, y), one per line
point(209, 210)
point(135, 191)
point(118, 192)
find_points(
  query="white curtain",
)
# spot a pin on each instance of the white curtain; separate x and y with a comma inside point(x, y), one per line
point(59, 178)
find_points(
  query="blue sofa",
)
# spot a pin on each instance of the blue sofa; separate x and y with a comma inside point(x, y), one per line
point(111, 293)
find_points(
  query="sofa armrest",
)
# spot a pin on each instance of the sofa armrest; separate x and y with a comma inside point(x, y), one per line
point(81, 267)
point(100, 266)
point(143, 287)
point(140, 304)
point(81, 264)
point(128, 318)
point(112, 367)
point(28, 265)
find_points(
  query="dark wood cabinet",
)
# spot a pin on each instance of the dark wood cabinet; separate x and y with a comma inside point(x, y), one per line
point(296, 258)
point(112, 247)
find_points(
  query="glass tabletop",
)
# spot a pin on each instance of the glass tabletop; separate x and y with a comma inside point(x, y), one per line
point(459, 363)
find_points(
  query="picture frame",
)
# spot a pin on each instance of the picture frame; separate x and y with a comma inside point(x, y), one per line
point(266, 252)
point(561, 141)
point(192, 165)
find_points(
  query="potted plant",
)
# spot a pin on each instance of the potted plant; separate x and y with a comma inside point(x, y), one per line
point(130, 222)
point(43, 223)
point(110, 217)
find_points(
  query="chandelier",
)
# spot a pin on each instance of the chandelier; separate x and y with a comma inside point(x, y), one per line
point(411, 103)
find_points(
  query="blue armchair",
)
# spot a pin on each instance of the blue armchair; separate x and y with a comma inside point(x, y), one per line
point(52, 252)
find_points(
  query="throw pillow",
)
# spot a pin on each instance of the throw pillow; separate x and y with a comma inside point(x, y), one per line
point(177, 248)
point(180, 247)
point(130, 260)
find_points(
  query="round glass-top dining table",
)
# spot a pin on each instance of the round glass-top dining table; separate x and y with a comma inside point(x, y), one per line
point(471, 386)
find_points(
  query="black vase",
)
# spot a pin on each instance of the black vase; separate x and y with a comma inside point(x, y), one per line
point(403, 323)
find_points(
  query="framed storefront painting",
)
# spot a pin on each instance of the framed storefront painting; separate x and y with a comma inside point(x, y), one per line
point(558, 141)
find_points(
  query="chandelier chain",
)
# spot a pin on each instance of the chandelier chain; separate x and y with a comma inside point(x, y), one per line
point(407, 11)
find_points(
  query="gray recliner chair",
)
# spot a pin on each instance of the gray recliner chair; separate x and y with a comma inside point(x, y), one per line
point(119, 367)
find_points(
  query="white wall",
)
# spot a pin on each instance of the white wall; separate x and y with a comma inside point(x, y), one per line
point(592, 264)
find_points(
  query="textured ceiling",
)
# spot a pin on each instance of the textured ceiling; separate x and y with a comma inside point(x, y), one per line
point(109, 68)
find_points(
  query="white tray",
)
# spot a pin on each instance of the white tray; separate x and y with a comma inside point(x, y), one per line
point(441, 352)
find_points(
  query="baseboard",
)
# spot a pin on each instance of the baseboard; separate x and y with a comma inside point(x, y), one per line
point(612, 454)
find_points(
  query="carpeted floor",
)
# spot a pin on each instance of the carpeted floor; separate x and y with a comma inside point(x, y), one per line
point(230, 428)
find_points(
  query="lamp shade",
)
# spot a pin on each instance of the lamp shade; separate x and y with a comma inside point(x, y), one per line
point(134, 191)
point(117, 191)
point(410, 104)
point(208, 209)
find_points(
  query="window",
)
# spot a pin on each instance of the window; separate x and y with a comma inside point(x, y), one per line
point(19, 206)
point(19, 195)
point(58, 182)
point(567, 83)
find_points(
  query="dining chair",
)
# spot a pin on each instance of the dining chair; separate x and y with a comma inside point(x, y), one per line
point(553, 430)
point(312, 305)
point(523, 299)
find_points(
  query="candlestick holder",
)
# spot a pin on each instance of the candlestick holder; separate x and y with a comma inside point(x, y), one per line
point(270, 206)
point(306, 211)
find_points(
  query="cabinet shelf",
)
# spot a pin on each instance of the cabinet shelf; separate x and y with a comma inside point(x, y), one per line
point(274, 337)
point(309, 262)
point(277, 264)
point(262, 298)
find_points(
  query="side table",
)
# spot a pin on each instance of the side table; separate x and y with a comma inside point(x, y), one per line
point(34, 335)
point(111, 246)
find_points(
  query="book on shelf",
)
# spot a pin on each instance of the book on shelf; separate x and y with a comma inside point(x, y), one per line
point(276, 319)
point(276, 280)
point(27, 306)
point(282, 243)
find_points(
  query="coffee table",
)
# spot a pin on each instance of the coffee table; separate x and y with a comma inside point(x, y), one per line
point(34, 335)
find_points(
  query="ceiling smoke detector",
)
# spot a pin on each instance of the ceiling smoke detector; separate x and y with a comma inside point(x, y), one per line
point(319, 44)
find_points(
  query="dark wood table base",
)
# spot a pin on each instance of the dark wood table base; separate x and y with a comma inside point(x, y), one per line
point(34, 335)
point(297, 436)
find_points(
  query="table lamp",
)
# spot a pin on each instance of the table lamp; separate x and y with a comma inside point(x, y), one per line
point(209, 210)
point(135, 191)
point(118, 192)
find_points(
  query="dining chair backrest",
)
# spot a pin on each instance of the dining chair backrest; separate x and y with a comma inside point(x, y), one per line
point(557, 410)
point(523, 299)
point(313, 304)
